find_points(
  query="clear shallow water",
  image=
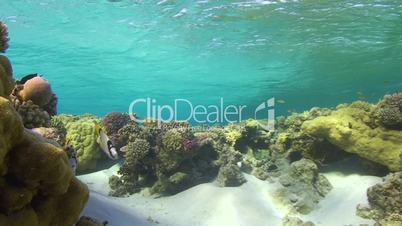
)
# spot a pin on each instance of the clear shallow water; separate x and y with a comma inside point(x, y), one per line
point(101, 55)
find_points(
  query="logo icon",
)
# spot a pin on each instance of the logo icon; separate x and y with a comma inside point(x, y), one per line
point(269, 106)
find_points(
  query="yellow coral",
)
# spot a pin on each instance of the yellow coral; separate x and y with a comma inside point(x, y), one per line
point(232, 136)
point(348, 128)
point(81, 134)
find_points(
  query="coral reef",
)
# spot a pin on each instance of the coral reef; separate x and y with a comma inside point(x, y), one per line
point(385, 201)
point(37, 185)
point(389, 111)
point(3, 37)
point(81, 135)
point(349, 127)
point(167, 160)
point(113, 122)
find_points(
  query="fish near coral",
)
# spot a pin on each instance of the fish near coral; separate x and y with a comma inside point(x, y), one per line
point(106, 144)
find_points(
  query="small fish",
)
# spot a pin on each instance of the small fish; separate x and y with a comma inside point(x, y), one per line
point(387, 82)
point(105, 143)
point(281, 101)
point(28, 77)
point(73, 162)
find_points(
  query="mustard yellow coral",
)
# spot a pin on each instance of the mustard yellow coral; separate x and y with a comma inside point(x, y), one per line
point(37, 186)
point(81, 134)
point(349, 127)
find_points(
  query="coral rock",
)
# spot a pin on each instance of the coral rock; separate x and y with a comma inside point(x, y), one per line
point(230, 176)
point(303, 186)
point(385, 200)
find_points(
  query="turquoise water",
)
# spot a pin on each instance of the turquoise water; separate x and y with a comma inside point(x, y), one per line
point(101, 55)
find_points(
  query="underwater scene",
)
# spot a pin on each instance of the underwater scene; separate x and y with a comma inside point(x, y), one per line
point(200, 113)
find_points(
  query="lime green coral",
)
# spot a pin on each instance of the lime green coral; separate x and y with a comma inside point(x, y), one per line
point(81, 134)
point(348, 127)
point(232, 134)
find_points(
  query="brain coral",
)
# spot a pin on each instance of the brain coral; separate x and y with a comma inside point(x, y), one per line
point(37, 186)
point(81, 134)
point(37, 90)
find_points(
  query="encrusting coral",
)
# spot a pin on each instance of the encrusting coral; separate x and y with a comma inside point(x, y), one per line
point(385, 201)
point(350, 128)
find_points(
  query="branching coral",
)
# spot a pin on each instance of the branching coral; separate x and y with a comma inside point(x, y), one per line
point(113, 122)
point(3, 37)
point(32, 115)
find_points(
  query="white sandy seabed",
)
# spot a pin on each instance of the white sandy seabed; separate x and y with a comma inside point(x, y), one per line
point(251, 204)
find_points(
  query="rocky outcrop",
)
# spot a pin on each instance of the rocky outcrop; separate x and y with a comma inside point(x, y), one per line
point(385, 201)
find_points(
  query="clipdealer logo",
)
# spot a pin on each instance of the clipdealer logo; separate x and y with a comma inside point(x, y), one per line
point(202, 114)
